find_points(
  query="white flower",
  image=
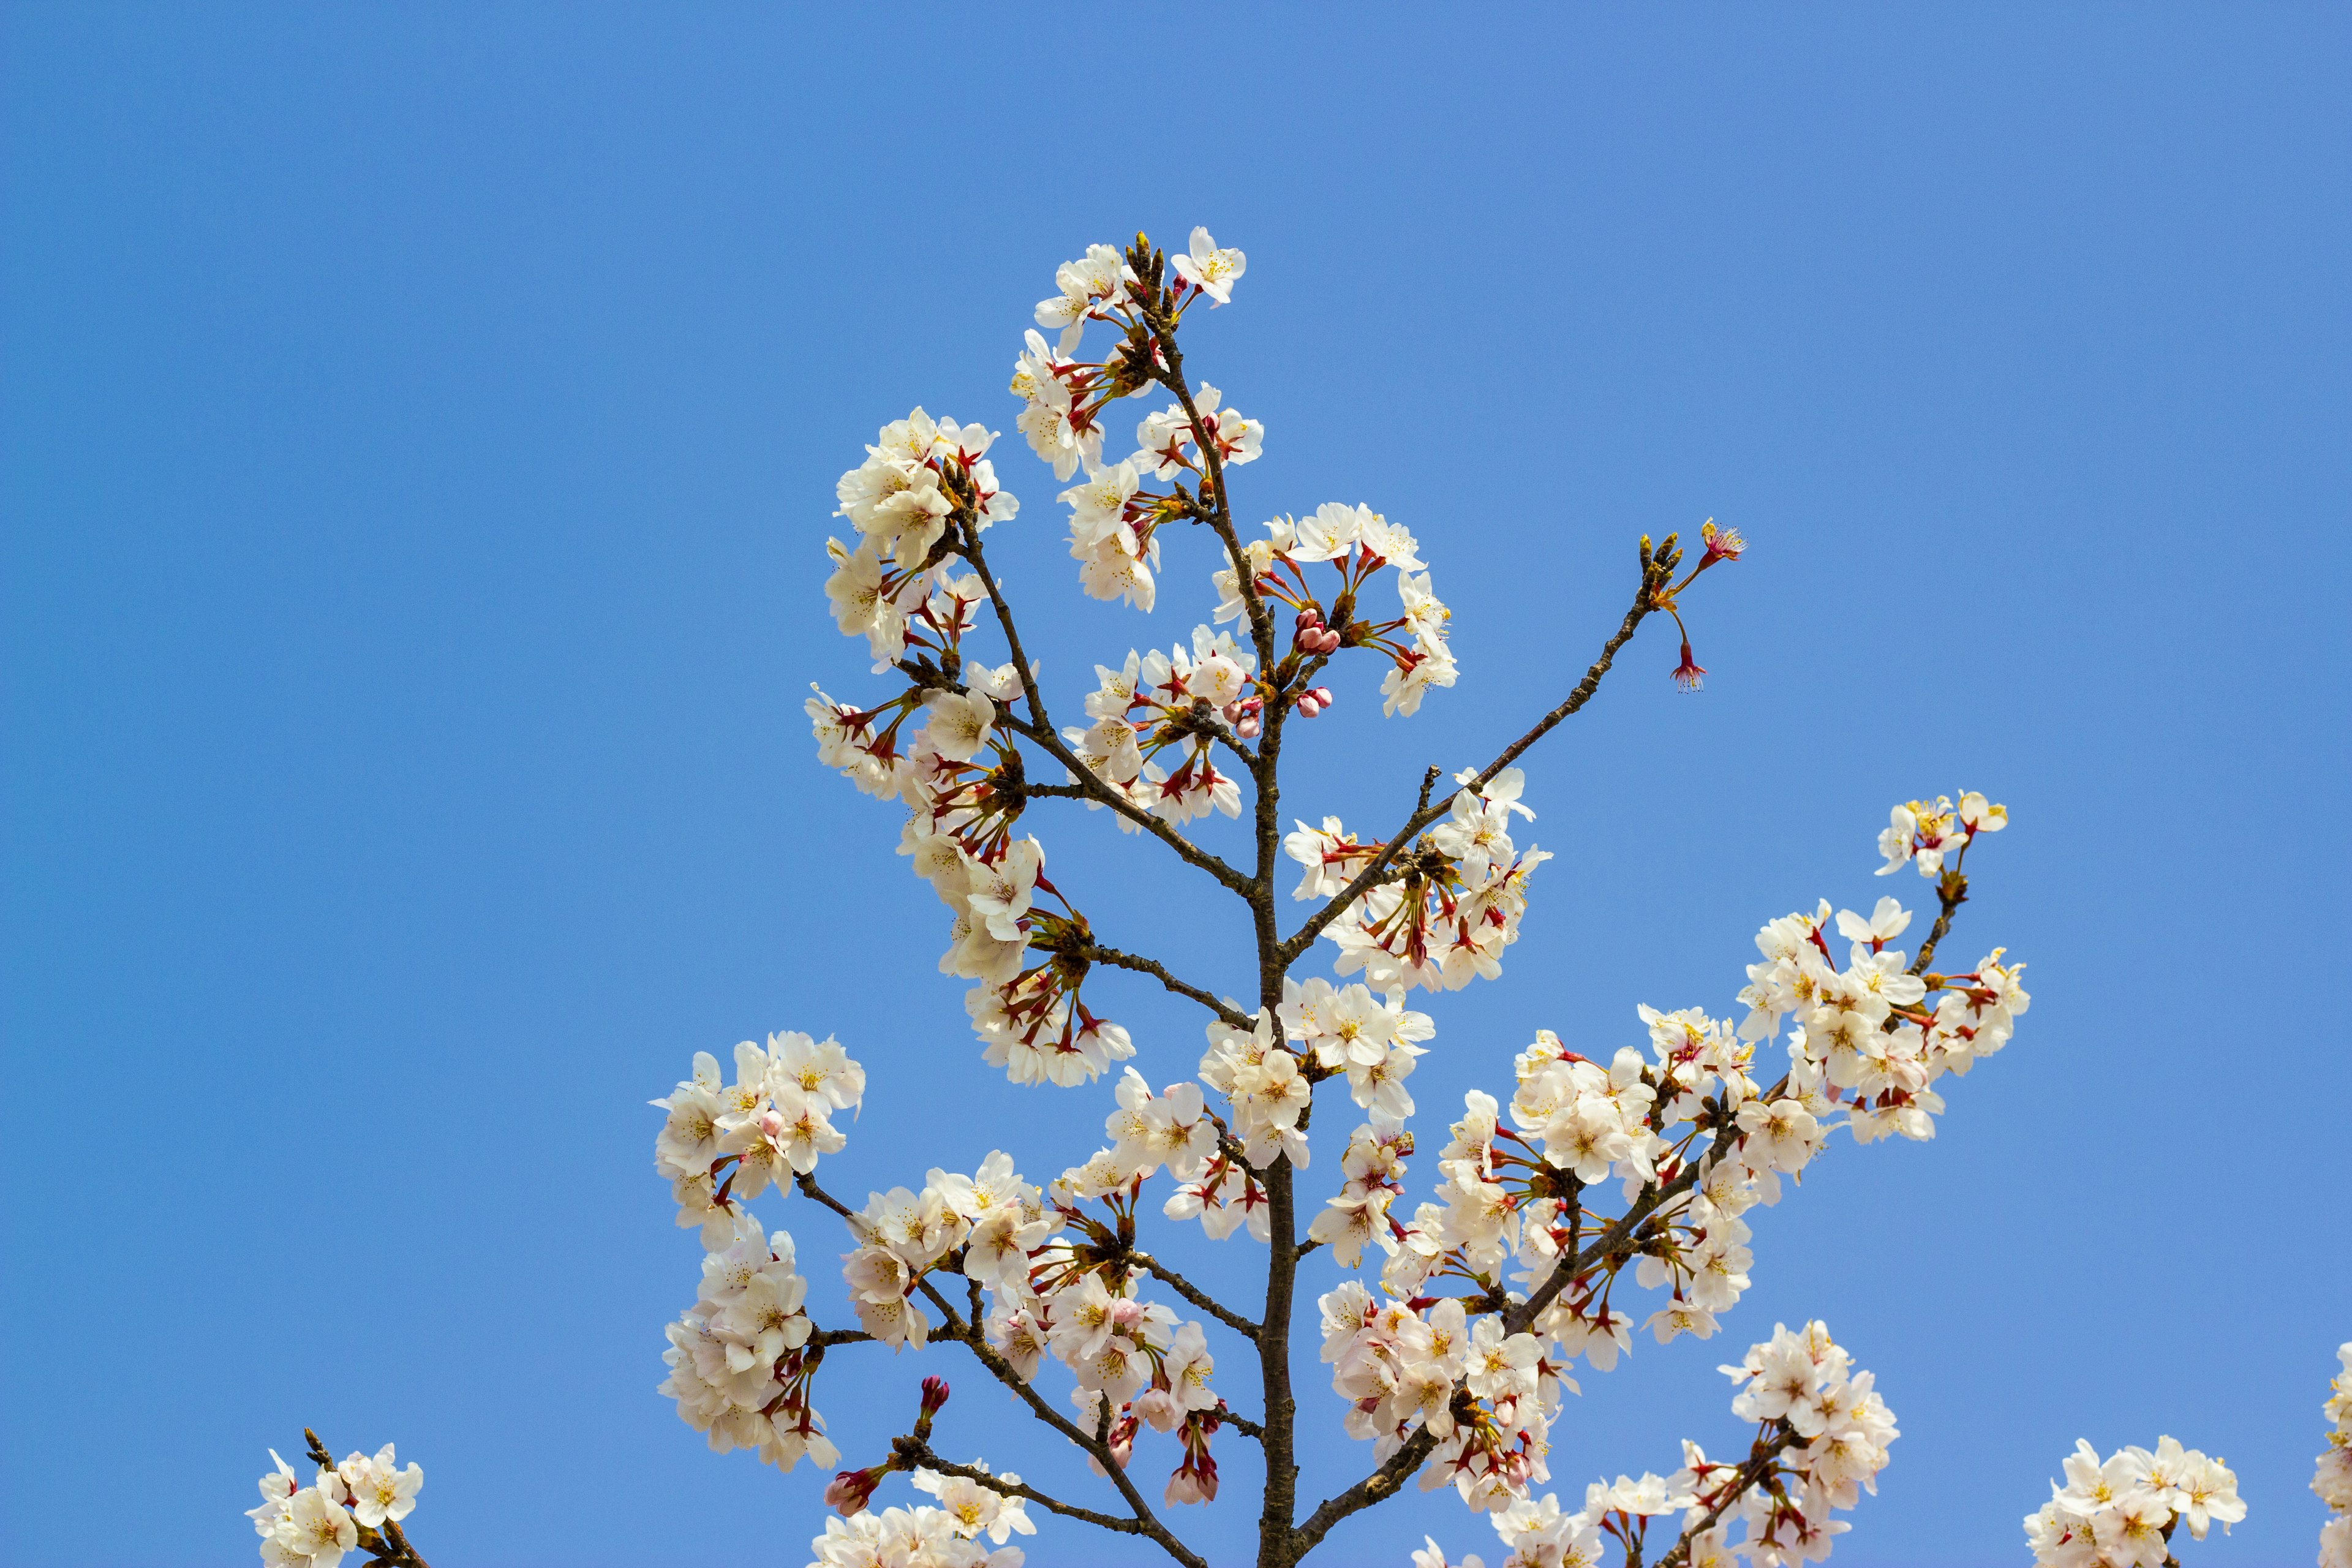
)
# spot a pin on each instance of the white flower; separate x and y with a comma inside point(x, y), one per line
point(380, 1489)
point(1211, 270)
point(959, 723)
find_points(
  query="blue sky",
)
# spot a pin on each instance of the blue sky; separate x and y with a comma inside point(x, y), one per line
point(416, 448)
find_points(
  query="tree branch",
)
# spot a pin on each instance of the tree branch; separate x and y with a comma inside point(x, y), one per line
point(1951, 892)
point(1041, 733)
point(920, 1453)
point(1158, 971)
point(1194, 1294)
point(1378, 1487)
point(1039, 729)
point(1429, 811)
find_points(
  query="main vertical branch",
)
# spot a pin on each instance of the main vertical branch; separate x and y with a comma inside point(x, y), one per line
point(1277, 1545)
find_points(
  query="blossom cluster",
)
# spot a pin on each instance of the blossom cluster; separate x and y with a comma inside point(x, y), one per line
point(1822, 1439)
point(740, 1359)
point(1684, 1132)
point(2333, 1478)
point(314, 1526)
point(1925, 833)
point(927, 1537)
point(1355, 541)
point(1446, 908)
point(1114, 521)
point(917, 473)
point(2121, 1511)
point(1060, 1280)
point(1154, 706)
point(722, 1142)
point(740, 1365)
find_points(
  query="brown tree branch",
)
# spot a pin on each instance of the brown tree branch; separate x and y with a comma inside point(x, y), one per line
point(1378, 1487)
point(1194, 1294)
point(1429, 811)
point(916, 1452)
point(1158, 971)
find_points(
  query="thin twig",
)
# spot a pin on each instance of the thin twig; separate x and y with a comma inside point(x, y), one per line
point(1429, 811)
point(921, 1454)
point(1194, 1294)
point(1159, 971)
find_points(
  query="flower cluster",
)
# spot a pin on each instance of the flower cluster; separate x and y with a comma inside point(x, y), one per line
point(1114, 521)
point(1355, 541)
point(343, 1510)
point(725, 1142)
point(918, 475)
point(2121, 1511)
point(1866, 1036)
point(959, 835)
point(1028, 1016)
point(1160, 705)
point(1688, 1138)
point(1485, 1396)
point(985, 1225)
point(741, 1363)
point(1926, 834)
point(1061, 1281)
point(927, 1537)
point(742, 1358)
point(1822, 1438)
point(1445, 910)
point(2333, 1478)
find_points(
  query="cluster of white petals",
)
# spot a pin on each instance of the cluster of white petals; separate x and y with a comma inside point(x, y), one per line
point(1355, 541)
point(723, 1142)
point(739, 1362)
point(1443, 912)
point(1822, 1439)
point(2122, 1511)
point(2333, 1478)
point(917, 472)
point(314, 1526)
point(1688, 1139)
point(923, 1537)
point(1925, 833)
point(1145, 716)
point(987, 1223)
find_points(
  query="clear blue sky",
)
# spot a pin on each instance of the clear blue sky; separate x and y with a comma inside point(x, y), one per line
point(416, 438)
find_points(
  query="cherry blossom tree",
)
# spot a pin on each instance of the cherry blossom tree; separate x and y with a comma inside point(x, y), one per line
point(1593, 1196)
point(1590, 1196)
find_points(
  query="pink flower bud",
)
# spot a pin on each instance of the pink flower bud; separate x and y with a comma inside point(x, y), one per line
point(934, 1395)
point(852, 1489)
point(1323, 697)
point(1307, 707)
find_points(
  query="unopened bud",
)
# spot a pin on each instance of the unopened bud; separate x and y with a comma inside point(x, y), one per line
point(852, 1489)
point(1309, 706)
point(934, 1395)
